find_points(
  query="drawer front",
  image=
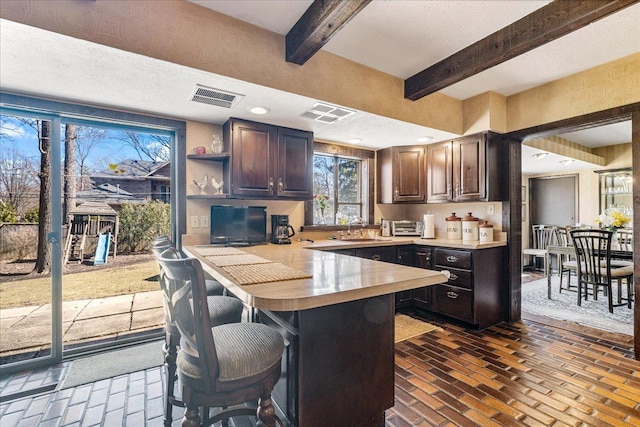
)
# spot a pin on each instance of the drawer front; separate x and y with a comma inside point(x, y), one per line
point(383, 253)
point(454, 302)
point(459, 278)
point(423, 257)
point(453, 258)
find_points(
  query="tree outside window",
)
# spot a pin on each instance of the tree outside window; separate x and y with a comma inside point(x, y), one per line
point(337, 188)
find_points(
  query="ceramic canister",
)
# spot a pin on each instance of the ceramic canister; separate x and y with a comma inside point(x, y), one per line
point(470, 228)
point(454, 227)
point(486, 232)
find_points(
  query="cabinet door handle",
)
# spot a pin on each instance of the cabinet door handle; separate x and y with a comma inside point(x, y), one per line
point(452, 258)
point(453, 276)
point(396, 192)
point(452, 295)
point(280, 185)
point(376, 257)
point(271, 185)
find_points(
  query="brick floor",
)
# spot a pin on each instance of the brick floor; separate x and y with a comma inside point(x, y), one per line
point(530, 373)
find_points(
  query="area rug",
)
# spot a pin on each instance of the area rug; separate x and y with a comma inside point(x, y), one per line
point(564, 306)
point(113, 363)
point(408, 327)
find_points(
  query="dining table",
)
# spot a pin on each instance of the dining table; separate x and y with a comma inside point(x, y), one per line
point(570, 250)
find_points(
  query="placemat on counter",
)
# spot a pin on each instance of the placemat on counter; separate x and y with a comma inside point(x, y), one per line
point(263, 273)
point(219, 251)
point(227, 260)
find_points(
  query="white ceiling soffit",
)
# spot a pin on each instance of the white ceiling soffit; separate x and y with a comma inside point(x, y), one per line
point(602, 136)
point(550, 164)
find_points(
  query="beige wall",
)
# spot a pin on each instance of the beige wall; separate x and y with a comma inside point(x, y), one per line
point(607, 86)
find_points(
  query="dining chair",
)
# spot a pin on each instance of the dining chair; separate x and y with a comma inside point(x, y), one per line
point(222, 366)
point(541, 238)
point(566, 263)
point(595, 270)
point(625, 239)
point(228, 310)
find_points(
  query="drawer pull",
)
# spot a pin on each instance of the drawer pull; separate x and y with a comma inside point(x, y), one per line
point(452, 295)
point(452, 258)
point(453, 276)
point(376, 257)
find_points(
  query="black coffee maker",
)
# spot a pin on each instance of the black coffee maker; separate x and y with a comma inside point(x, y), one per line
point(281, 231)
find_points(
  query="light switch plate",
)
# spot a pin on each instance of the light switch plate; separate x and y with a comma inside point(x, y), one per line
point(204, 221)
point(194, 221)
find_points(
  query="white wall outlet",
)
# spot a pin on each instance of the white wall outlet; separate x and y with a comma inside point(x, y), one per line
point(194, 222)
point(204, 221)
point(491, 210)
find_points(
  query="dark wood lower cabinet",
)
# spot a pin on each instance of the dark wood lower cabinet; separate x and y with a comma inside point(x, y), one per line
point(473, 292)
point(338, 364)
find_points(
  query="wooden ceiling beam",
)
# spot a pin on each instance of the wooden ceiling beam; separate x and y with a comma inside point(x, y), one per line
point(548, 23)
point(322, 20)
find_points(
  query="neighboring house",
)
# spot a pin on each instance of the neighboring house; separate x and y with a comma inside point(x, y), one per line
point(109, 194)
point(140, 179)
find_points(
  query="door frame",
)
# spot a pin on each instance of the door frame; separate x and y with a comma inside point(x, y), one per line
point(512, 219)
point(61, 112)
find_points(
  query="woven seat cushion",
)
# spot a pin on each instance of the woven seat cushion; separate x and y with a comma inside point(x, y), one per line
point(221, 310)
point(214, 287)
point(224, 310)
point(536, 252)
point(618, 272)
point(244, 350)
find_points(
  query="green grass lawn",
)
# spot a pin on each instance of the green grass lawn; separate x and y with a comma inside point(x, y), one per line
point(101, 283)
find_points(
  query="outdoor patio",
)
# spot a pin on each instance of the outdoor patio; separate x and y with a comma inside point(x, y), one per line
point(27, 330)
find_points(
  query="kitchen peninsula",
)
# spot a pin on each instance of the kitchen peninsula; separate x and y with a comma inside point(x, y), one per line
point(338, 325)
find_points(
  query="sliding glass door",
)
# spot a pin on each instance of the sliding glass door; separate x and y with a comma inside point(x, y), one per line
point(31, 236)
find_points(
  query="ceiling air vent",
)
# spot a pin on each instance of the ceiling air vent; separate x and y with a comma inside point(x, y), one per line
point(211, 96)
point(326, 113)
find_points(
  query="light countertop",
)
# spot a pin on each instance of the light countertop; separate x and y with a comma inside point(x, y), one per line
point(336, 278)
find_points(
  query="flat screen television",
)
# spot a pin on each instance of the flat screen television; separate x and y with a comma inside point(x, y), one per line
point(238, 225)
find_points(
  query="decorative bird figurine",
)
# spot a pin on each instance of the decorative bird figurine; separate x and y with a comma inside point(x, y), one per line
point(202, 185)
point(217, 185)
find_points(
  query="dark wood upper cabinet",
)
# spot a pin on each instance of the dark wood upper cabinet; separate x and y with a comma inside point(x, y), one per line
point(439, 172)
point(269, 161)
point(465, 169)
point(401, 174)
point(295, 164)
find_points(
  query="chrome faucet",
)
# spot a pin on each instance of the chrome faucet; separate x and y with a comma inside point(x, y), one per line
point(355, 220)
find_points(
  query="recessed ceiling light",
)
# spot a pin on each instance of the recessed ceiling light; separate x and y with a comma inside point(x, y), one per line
point(259, 109)
point(425, 138)
point(567, 161)
point(540, 155)
point(355, 140)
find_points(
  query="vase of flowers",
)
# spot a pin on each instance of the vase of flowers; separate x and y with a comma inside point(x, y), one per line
point(613, 220)
point(322, 202)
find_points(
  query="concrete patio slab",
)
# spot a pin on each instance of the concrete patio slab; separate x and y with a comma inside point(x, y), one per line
point(146, 300)
point(107, 306)
point(18, 311)
point(147, 318)
point(106, 325)
point(24, 329)
point(23, 337)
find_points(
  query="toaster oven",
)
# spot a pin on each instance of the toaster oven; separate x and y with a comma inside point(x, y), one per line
point(406, 228)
